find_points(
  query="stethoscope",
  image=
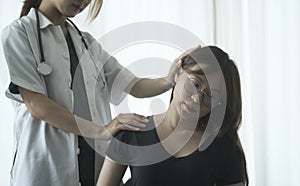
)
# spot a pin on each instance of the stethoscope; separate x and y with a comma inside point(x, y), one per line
point(44, 68)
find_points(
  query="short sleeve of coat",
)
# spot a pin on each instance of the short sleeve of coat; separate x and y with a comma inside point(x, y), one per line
point(118, 78)
point(231, 170)
point(20, 61)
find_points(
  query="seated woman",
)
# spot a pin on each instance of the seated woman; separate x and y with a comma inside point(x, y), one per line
point(196, 142)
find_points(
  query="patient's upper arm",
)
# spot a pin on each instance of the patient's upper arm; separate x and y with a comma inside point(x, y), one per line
point(111, 173)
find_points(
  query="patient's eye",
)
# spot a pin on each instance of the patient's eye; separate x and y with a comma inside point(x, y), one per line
point(196, 84)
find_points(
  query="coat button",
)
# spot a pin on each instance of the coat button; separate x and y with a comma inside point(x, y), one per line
point(78, 151)
point(66, 55)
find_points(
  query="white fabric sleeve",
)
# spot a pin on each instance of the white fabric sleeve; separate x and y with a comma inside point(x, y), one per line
point(21, 61)
point(119, 79)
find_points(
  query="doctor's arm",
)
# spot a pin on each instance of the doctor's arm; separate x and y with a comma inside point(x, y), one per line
point(111, 173)
point(43, 108)
point(145, 87)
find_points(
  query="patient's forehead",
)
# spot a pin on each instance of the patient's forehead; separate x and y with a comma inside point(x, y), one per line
point(210, 77)
point(198, 69)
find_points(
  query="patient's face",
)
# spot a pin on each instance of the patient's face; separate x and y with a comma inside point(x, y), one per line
point(196, 92)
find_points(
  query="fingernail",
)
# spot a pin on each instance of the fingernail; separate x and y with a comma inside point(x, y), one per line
point(146, 120)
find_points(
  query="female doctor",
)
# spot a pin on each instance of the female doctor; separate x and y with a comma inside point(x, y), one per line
point(61, 84)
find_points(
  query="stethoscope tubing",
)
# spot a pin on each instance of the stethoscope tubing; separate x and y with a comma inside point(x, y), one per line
point(43, 67)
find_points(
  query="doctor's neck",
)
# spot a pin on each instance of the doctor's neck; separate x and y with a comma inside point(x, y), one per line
point(52, 14)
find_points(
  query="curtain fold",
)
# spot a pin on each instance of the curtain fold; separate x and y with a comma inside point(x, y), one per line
point(263, 37)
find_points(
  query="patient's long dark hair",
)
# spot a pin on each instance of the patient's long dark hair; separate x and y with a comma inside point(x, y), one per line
point(233, 112)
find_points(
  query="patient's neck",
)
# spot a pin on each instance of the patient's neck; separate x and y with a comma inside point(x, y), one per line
point(173, 118)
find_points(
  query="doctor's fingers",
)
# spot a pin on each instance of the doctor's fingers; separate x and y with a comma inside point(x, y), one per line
point(129, 127)
point(134, 120)
point(175, 67)
point(132, 116)
point(186, 53)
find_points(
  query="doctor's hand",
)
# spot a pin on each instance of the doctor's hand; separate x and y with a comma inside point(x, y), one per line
point(176, 65)
point(131, 122)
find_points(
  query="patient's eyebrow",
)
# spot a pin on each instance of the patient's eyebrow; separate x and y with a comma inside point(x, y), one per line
point(200, 77)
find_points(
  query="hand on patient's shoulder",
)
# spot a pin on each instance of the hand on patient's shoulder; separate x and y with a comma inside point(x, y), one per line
point(130, 121)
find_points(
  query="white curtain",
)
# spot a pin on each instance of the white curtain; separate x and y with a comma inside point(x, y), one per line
point(261, 36)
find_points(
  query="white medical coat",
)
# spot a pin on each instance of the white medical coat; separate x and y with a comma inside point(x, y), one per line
point(44, 155)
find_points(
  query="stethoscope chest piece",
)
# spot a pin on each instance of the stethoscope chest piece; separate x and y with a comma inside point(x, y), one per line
point(44, 69)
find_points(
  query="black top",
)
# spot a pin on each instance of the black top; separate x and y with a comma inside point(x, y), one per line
point(86, 158)
point(219, 164)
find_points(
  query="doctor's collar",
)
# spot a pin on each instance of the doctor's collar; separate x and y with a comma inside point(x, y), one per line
point(44, 21)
